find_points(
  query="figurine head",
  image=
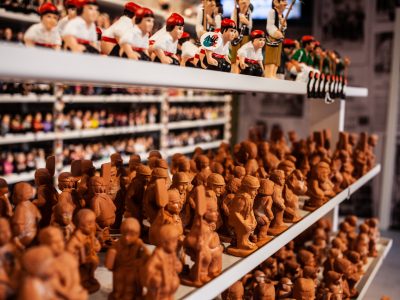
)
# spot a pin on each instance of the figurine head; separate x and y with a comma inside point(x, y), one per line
point(43, 177)
point(134, 162)
point(116, 160)
point(22, 192)
point(155, 153)
point(235, 291)
point(234, 185)
point(39, 262)
point(258, 38)
point(286, 284)
point(143, 172)
point(308, 42)
point(3, 187)
point(183, 164)
point(98, 185)
point(162, 163)
point(159, 173)
point(175, 26)
point(287, 166)
point(145, 19)
point(278, 176)
point(5, 231)
point(202, 162)
point(174, 205)
point(180, 181)
point(373, 140)
point(49, 15)
point(216, 167)
point(250, 185)
point(209, 5)
point(259, 276)
point(323, 171)
point(63, 212)
point(228, 30)
point(87, 167)
point(217, 183)
point(279, 5)
point(168, 240)
point(239, 172)
point(88, 10)
point(130, 9)
point(304, 289)
point(70, 6)
point(351, 220)
point(130, 231)
point(86, 221)
point(53, 238)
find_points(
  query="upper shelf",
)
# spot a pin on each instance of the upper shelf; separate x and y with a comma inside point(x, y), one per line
point(57, 66)
point(19, 17)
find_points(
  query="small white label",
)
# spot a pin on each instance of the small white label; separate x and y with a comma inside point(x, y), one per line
point(211, 40)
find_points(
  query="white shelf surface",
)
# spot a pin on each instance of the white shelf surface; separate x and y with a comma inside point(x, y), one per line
point(200, 98)
point(76, 134)
point(116, 98)
point(190, 149)
point(26, 64)
point(196, 123)
point(372, 266)
point(31, 98)
point(235, 267)
point(27, 18)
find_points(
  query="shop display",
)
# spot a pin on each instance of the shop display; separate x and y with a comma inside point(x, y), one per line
point(251, 60)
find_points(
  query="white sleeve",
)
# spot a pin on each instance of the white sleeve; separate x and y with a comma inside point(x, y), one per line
point(242, 51)
point(126, 38)
point(218, 21)
point(159, 43)
point(199, 22)
point(250, 21)
point(58, 40)
point(30, 34)
point(271, 28)
point(70, 29)
point(120, 29)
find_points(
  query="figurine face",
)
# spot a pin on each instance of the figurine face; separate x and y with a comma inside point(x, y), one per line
point(71, 12)
point(174, 206)
point(177, 32)
point(252, 192)
point(218, 190)
point(209, 4)
point(49, 21)
point(229, 35)
point(130, 237)
point(280, 5)
point(57, 243)
point(170, 245)
point(182, 187)
point(147, 25)
point(259, 43)
point(90, 13)
point(323, 174)
point(88, 224)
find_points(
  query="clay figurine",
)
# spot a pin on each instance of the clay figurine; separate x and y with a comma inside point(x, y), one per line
point(160, 273)
point(180, 183)
point(46, 33)
point(84, 246)
point(202, 244)
point(251, 60)
point(6, 210)
point(234, 292)
point(263, 289)
point(263, 210)
point(285, 289)
point(360, 156)
point(26, 218)
point(278, 205)
point(67, 186)
point(241, 217)
point(134, 163)
point(65, 264)
point(374, 235)
point(125, 259)
point(62, 216)
point(295, 185)
point(205, 21)
point(371, 158)
point(304, 289)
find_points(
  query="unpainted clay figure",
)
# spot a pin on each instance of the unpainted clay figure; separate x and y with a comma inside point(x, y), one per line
point(304, 289)
point(104, 209)
point(160, 273)
point(180, 183)
point(241, 217)
point(184, 166)
point(214, 192)
point(158, 183)
point(263, 289)
point(360, 156)
point(175, 162)
point(278, 143)
point(26, 218)
point(46, 195)
point(134, 163)
point(362, 242)
point(170, 207)
point(125, 259)
point(371, 158)
point(295, 185)
point(328, 265)
point(247, 156)
point(374, 235)
point(320, 188)
point(65, 264)
point(278, 207)
point(40, 280)
point(285, 289)
point(83, 170)
point(263, 210)
point(203, 168)
point(350, 276)
point(135, 193)
point(333, 286)
point(67, 185)
point(85, 246)
point(6, 210)
point(202, 243)
point(270, 267)
point(267, 159)
point(234, 292)
point(62, 216)
point(9, 264)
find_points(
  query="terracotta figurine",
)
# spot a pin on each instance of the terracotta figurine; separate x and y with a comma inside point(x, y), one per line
point(6, 210)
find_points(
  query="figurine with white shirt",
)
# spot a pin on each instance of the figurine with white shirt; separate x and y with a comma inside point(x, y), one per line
point(189, 51)
point(135, 42)
point(70, 8)
point(206, 21)
point(276, 27)
point(111, 37)
point(166, 42)
point(218, 59)
point(45, 34)
point(251, 60)
point(80, 33)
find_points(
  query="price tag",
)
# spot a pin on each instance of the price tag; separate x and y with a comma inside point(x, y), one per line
point(211, 40)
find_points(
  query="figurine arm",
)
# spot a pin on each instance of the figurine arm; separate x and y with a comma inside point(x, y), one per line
point(109, 261)
point(271, 28)
point(29, 37)
point(211, 59)
point(130, 52)
point(163, 58)
point(71, 42)
point(199, 23)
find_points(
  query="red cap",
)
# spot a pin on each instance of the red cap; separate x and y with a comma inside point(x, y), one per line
point(143, 12)
point(307, 38)
point(256, 34)
point(185, 35)
point(217, 30)
point(317, 43)
point(289, 42)
point(81, 3)
point(70, 3)
point(175, 20)
point(48, 8)
point(132, 7)
point(228, 23)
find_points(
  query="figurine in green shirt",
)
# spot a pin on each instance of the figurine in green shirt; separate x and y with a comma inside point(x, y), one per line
point(302, 59)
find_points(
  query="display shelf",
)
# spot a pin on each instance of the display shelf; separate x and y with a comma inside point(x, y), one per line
point(372, 267)
point(200, 98)
point(190, 149)
point(116, 98)
point(19, 17)
point(31, 98)
point(14, 178)
point(196, 123)
point(26, 63)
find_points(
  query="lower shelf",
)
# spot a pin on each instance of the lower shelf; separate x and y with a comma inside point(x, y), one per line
point(236, 267)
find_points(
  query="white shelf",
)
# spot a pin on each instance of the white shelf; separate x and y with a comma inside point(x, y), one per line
point(201, 99)
point(372, 267)
point(27, 18)
point(14, 178)
point(196, 123)
point(26, 64)
point(116, 98)
point(31, 98)
point(190, 149)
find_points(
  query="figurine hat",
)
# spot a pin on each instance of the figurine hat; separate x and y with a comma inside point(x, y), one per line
point(48, 8)
point(162, 163)
point(251, 182)
point(66, 176)
point(155, 153)
point(215, 179)
point(289, 42)
point(82, 3)
point(159, 173)
point(307, 38)
point(228, 23)
point(143, 170)
point(256, 34)
point(180, 177)
point(175, 20)
point(143, 12)
point(70, 3)
point(132, 7)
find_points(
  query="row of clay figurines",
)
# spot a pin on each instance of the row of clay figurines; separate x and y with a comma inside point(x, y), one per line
point(242, 215)
point(314, 266)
